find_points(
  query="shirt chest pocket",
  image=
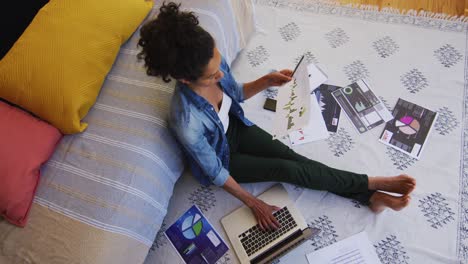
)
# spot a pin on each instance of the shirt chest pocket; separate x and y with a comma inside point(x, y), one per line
point(212, 133)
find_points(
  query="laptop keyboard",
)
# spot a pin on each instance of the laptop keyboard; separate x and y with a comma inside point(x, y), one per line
point(254, 239)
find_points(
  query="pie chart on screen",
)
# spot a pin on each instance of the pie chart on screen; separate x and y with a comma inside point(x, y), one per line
point(408, 125)
point(192, 226)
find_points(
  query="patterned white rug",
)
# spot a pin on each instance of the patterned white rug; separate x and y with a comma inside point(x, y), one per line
point(421, 59)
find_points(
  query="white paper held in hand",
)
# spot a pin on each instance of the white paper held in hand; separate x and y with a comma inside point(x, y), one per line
point(315, 130)
point(293, 103)
point(294, 100)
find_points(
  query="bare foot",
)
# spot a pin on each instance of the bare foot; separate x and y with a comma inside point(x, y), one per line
point(402, 184)
point(379, 201)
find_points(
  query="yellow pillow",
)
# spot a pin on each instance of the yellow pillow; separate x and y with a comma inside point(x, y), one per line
point(57, 67)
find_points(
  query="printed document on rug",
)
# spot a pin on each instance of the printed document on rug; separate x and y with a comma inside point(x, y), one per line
point(356, 249)
point(316, 76)
point(195, 239)
point(409, 131)
point(363, 108)
point(331, 110)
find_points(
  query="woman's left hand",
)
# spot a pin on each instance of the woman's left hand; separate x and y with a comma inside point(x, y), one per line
point(278, 78)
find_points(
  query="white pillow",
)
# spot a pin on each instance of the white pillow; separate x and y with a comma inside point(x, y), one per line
point(244, 13)
point(231, 23)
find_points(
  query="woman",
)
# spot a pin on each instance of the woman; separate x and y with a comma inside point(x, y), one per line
point(222, 145)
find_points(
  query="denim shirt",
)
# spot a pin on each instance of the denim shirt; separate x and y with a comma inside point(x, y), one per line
point(200, 131)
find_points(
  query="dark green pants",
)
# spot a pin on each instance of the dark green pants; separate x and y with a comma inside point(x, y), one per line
point(255, 157)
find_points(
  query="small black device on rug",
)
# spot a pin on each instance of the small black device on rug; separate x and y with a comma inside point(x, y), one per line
point(270, 104)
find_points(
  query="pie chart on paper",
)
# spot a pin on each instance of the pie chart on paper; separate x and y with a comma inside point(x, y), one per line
point(408, 125)
point(192, 226)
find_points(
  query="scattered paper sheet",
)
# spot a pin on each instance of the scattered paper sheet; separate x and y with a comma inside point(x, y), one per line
point(410, 129)
point(195, 239)
point(356, 249)
point(331, 110)
point(363, 108)
point(316, 76)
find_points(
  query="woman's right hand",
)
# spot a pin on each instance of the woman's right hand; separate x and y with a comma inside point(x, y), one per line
point(262, 211)
point(264, 214)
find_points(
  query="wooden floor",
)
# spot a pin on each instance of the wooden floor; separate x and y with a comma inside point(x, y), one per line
point(451, 7)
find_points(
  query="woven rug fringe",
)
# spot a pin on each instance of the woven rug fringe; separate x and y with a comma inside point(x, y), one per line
point(298, 4)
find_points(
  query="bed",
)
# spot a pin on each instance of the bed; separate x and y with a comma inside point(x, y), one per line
point(104, 193)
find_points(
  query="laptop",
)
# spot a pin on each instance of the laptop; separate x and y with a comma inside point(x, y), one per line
point(253, 245)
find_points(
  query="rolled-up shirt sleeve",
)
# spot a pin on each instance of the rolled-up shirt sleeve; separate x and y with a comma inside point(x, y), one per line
point(240, 92)
point(196, 145)
point(221, 178)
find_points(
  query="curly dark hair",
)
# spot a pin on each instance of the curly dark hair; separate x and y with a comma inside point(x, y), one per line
point(175, 45)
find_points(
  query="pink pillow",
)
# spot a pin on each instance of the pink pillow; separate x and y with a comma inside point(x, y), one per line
point(25, 144)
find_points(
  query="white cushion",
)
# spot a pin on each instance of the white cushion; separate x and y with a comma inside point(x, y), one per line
point(231, 23)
